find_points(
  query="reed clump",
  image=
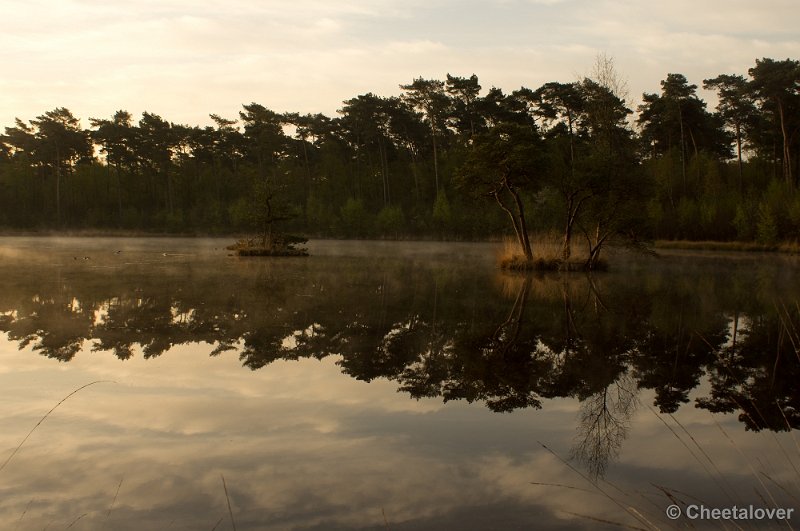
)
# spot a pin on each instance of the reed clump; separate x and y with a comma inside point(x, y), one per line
point(548, 251)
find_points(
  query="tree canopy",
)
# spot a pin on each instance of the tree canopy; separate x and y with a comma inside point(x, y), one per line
point(572, 155)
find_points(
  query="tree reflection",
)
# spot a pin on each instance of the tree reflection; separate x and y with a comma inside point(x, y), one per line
point(447, 332)
point(604, 421)
point(55, 328)
point(758, 374)
point(501, 365)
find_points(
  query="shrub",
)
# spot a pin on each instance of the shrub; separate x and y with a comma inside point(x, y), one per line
point(766, 225)
point(390, 220)
point(355, 220)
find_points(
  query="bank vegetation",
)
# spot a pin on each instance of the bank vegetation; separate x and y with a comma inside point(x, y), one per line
point(444, 159)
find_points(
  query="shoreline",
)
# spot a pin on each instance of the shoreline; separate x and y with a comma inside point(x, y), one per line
point(787, 247)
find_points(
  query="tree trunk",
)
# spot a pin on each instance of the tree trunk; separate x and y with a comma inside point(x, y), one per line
point(526, 243)
point(58, 186)
point(435, 159)
point(169, 190)
point(573, 208)
point(518, 230)
point(787, 155)
point(595, 247)
point(384, 172)
point(119, 192)
point(266, 239)
point(566, 251)
point(694, 147)
point(683, 149)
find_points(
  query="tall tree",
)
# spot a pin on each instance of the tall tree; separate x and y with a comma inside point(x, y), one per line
point(366, 121)
point(518, 107)
point(408, 132)
point(506, 162)
point(307, 128)
point(560, 106)
point(263, 131)
point(464, 92)
point(428, 96)
point(561, 102)
point(19, 139)
point(156, 146)
point(677, 118)
point(116, 138)
point(615, 206)
point(777, 85)
point(736, 107)
point(229, 144)
point(18, 143)
point(266, 145)
point(60, 143)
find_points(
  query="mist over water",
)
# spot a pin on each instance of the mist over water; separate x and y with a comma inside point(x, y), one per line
point(380, 382)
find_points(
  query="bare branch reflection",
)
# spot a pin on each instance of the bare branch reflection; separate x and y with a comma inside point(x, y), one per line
point(603, 424)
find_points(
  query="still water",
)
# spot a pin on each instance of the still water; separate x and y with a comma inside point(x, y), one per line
point(390, 386)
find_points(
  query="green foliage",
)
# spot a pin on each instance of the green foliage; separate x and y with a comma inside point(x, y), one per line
point(239, 213)
point(708, 215)
point(745, 220)
point(766, 225)
point(321, 215)
point(390, 221)
point(442, 216)
point(355, 219)
point(443, 160)
point(793, 211)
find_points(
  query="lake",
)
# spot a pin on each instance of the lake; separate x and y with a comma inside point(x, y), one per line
point(383, 385)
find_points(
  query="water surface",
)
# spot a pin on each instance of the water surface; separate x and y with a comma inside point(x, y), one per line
point(399, 385)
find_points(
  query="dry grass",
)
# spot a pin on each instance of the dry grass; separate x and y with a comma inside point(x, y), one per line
point(8, 459)
point(547, 249)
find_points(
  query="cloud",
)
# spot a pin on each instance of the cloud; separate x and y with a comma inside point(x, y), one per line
point(186, 59)
point(302, 445)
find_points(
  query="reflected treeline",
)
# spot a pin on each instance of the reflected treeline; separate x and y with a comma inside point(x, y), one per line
point(729, 332)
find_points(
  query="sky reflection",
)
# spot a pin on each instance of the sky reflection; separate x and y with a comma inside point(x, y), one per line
point(300, 446)
point(308, 443)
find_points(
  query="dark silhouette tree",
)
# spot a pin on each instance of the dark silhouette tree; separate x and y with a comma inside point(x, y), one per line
point(464, 93)
point(737, 109)
point(776, 84)
point(677, 120)
point(428, 96)
point(60, 143)
point(116, 138)
point(506, 162)
point(266, 146)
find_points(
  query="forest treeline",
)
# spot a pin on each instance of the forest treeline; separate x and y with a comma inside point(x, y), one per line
point(445, 159)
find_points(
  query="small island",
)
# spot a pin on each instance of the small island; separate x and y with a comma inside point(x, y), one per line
point(283, 245)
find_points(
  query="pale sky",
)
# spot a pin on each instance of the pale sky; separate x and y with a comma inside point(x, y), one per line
point(184, 59)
